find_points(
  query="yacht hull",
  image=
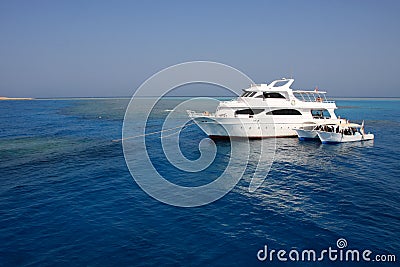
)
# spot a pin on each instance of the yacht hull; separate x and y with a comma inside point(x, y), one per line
point(249, 128)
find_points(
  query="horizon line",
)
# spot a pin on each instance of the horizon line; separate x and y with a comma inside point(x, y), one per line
point(129, 97)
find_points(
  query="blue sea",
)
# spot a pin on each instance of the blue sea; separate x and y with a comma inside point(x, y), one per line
point(67, 197)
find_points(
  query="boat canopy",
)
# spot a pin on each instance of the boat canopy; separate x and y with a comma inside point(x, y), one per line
point(350, 125)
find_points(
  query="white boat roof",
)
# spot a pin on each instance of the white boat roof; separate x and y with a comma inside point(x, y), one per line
point(351, 125)
point(355, 125)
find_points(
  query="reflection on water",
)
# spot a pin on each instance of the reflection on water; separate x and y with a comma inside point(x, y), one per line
point(303, 172)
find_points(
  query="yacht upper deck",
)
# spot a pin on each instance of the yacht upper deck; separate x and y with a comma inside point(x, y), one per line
point(281, 89)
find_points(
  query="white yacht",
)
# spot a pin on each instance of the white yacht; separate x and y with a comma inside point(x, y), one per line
point(268, 110)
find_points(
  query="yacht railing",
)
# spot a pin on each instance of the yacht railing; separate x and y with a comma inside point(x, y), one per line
point(312, 97)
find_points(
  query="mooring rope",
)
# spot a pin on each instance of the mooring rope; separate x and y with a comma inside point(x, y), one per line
point(166, 130)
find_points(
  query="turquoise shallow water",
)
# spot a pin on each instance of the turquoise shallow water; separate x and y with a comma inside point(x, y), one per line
point(67, 197)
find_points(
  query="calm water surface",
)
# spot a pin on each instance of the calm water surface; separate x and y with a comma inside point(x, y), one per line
point(67, 197)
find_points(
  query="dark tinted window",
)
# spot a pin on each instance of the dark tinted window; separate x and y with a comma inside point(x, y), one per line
point(249, 111)
point(284, 112)
point(273, 95)
point(252, 94)
point(248, 94)
point(323, 113)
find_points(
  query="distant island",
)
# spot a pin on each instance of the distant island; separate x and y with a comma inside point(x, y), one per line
point(15, 98)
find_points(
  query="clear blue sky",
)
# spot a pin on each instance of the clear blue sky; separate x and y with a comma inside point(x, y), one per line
point(108, 48)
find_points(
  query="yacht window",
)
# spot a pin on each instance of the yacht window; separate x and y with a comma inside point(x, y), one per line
point(252, 94)
point(244, 93)
point(320, 113)
point(284, 112)
point(249, 111)
point(273, 95)
point(326, 114)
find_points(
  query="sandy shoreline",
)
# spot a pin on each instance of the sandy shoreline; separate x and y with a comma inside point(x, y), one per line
point(15, 98)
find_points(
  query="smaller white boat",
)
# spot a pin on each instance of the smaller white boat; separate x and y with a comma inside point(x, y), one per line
point(306, 132)
point(309, 131)
point(341, 133)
